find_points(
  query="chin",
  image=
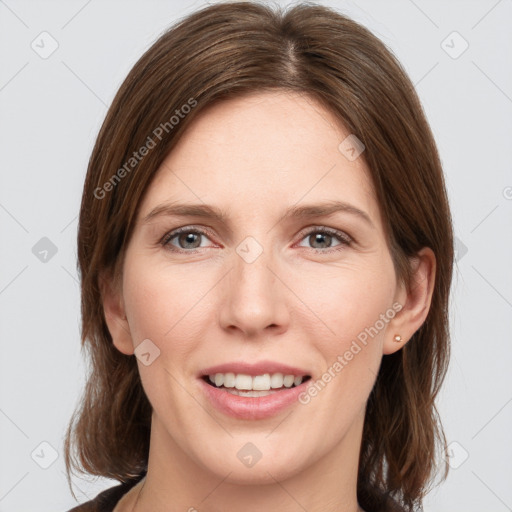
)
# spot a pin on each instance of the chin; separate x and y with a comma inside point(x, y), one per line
point(251, 459)
point(262, 473)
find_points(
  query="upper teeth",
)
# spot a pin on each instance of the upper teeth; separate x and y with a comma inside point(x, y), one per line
point(258, 382)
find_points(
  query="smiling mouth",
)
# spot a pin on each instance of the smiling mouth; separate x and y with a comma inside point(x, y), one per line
point(254, 386)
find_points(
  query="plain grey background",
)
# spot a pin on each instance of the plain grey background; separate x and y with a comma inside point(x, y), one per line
point(61, 64)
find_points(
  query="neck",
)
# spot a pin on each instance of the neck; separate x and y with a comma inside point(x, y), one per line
point(174, 478)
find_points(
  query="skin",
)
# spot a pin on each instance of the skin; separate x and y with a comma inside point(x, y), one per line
point(301, 302)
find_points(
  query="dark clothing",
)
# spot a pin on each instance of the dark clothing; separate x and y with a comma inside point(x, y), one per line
point(106, 500)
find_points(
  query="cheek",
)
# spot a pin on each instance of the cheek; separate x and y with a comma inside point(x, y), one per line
point(354, 310)
point(347, 300)
point(354, 307)
point(159, 301)
point(162, 306)
point(167, 306)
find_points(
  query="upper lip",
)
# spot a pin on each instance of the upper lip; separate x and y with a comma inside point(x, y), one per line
point(253, 369)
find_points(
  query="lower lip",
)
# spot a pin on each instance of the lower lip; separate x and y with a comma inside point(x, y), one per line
point(252, 408)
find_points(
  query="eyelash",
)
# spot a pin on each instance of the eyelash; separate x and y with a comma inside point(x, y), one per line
point(343, 238)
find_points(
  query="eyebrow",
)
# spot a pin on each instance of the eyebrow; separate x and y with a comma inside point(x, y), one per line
point(205, 211)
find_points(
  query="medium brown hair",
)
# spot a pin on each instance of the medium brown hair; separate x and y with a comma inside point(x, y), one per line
point(225, 51)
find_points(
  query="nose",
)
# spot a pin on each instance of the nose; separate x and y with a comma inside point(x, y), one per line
point(254, 298)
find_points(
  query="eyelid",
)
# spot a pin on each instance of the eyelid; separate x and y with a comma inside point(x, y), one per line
point(184, 229)
point(343, 237)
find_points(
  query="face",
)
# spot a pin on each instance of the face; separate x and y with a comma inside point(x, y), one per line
point(273, 286)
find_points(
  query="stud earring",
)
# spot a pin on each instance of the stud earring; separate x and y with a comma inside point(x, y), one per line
point(397, 338)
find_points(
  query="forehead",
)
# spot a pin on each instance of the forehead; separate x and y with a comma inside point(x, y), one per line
point(261, 152)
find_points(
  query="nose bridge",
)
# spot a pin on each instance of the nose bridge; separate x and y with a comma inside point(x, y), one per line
point(251, 265)
point(255, 298)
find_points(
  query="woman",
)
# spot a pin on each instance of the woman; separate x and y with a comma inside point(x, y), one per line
point(265, 247)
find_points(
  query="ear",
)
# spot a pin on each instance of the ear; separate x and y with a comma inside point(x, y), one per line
point(415, 301)
point(114, 311)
